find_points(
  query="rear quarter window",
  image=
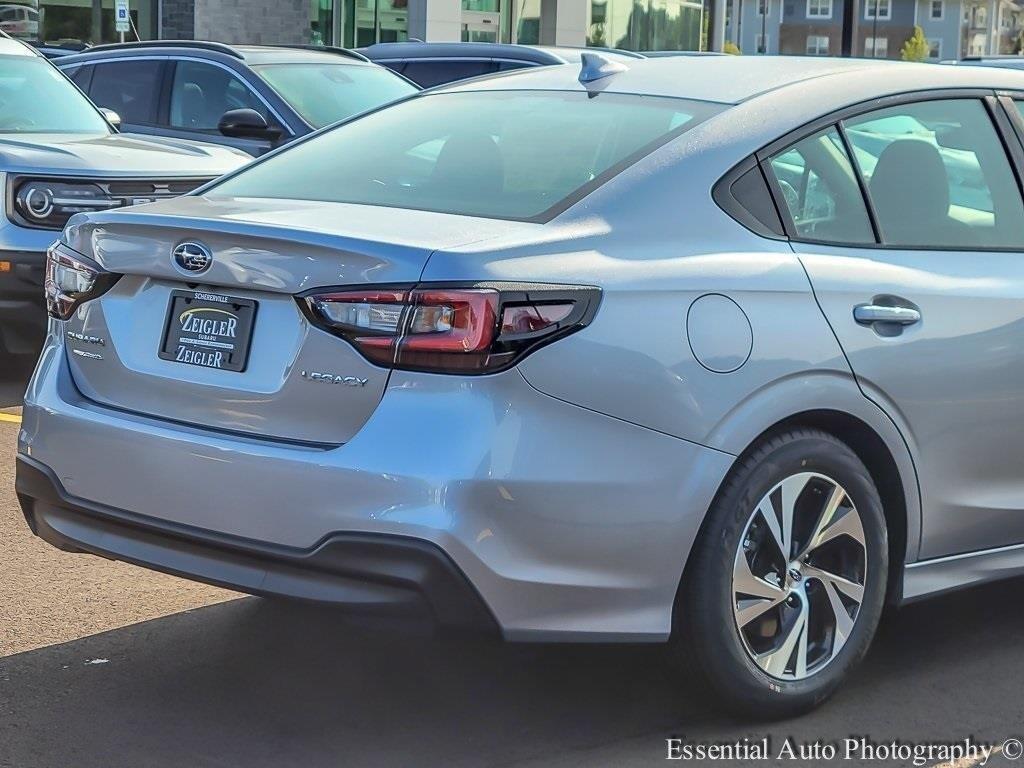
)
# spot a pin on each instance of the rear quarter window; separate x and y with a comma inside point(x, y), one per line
point(429, 72)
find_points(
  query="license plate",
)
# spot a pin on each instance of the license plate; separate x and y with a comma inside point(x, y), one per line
point(208, 330)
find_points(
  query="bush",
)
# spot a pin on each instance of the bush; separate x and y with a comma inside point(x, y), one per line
point(916, 48)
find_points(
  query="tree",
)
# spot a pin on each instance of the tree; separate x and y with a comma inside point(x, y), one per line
point(731, 48)
point(917, 47)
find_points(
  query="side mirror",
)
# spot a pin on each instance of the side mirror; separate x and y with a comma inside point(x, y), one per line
point(111, 117)
point(246, 124)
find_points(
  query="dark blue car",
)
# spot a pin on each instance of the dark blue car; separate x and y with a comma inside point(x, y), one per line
point(430, 64)
point(247, 96)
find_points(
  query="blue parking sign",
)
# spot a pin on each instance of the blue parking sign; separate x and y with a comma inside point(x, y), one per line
point(122, 22)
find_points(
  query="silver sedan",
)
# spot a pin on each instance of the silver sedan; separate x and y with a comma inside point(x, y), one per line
point(721, 351)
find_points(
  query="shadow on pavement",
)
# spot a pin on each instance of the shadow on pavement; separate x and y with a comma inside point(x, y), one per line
point(258, 683)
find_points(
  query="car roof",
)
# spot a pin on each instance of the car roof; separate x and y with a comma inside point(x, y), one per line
point(250, 54)
point(734, 79)
point(410, 50)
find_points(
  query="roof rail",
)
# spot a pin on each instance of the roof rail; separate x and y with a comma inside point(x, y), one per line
point(326, 49)
point(203, 44)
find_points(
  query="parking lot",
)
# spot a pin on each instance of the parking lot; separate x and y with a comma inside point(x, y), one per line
point(106, 665)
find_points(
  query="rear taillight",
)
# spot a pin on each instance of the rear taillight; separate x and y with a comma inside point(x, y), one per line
point(480, 328)
point(71, 280)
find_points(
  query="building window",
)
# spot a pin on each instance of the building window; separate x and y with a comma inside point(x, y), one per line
point(934, 48)
point(764, 7)
point(878, 9)
point(817, 45)
point(938, 9)
point(76, 22)
point(645, 25)
point(762, 43)
point(876, 47)
point(819, 9)
point(321, 22)
point(527, 20)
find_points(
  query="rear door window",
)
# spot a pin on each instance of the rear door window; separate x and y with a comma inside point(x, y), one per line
point(938, 176)
point(130, 88)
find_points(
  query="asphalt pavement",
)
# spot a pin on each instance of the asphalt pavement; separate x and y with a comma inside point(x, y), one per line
point(104, 665)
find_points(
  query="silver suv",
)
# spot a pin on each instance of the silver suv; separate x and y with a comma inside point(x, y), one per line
point(60, 156)
point(722, 351)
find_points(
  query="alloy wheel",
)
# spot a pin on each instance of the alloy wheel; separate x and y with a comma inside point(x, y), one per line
point(799, 576)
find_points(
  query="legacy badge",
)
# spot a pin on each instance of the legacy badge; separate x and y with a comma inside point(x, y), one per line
point(331, 378)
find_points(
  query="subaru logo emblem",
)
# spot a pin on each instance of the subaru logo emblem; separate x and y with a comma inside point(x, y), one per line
point(192, 257)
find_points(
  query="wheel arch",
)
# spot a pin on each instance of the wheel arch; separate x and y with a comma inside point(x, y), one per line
point(881, 465)
point(865, 428)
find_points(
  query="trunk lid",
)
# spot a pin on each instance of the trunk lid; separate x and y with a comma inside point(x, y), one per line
point(298, 382)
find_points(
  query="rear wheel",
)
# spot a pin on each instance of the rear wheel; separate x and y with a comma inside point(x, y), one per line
point(787, 582)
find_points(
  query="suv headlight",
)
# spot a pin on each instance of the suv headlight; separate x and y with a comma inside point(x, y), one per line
point(49, 203)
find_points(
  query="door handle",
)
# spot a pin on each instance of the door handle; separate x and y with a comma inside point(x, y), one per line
point(869, 314)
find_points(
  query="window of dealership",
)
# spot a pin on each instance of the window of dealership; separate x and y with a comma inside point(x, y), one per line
point(645, 25)
point(630, 24)
point(74, 21)
point(355, 23)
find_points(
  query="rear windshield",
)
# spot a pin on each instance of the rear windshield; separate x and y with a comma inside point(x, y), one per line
point(500, 154)
point(326, 93)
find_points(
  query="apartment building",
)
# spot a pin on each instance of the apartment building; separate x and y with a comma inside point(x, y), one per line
point(953, 28)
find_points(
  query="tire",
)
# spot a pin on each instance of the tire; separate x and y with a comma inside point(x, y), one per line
point(749, 669)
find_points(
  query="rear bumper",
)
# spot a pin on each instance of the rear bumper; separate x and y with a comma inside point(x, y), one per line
point(569, 524)
point(364, 572)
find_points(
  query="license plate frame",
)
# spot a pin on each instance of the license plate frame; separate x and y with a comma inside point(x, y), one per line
point(208, 330)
